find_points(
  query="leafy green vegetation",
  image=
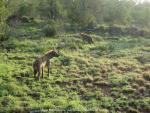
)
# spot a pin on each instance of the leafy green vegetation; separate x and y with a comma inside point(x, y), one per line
point(105, 75)
point(110, 75)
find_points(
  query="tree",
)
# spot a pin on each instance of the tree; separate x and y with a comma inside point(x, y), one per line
point(2, 20)
point(2, 14)
point(141, 15)
point(2, 11)
point(51, 9)
point(79, 13)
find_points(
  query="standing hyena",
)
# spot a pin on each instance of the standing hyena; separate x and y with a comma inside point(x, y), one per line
point(41, 62)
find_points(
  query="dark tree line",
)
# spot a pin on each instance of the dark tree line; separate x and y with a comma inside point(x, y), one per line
point(83, 13)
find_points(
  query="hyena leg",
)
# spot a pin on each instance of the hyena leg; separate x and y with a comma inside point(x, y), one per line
point(39, 73)
point(48, 67)
point(48, 70)
point(35, 72)
point(42, 72)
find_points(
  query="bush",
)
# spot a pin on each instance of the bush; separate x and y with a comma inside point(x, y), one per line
point(103, 28)
point(115, 30)
point(24, 9)
point(2, 37)
point(49, 30)
point(91, 25)
point(65, 61)
point(25, 19)
point(4, 32)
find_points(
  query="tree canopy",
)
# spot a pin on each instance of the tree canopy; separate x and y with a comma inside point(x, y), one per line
point(81, 12)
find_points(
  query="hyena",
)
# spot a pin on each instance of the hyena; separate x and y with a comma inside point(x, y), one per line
point(41, 62)
point(87, 38)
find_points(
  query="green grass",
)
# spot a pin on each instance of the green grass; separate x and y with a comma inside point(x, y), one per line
point(107, 76)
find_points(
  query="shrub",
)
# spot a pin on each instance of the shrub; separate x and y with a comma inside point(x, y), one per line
point(49, 30)
point(103, 28)
point(127, 90)
point(65, 61)
point(25, 19)
point(140, 81)
point(91, 25)
point(102, 111)
point(132, 110)
point(115, 30)
point(4, 33)
point(146, 76)
point(2, 37)
point(24, 9)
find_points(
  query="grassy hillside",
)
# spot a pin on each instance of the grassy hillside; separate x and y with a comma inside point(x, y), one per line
point(107, 76)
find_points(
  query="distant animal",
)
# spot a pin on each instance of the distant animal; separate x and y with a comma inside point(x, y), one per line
point(87, 38)
point(41, 62)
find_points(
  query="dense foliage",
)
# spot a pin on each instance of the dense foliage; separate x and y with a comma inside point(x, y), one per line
point(109, 75)
point(82, 12)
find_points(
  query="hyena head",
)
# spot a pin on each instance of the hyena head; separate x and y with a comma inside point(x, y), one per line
point(55, 53)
